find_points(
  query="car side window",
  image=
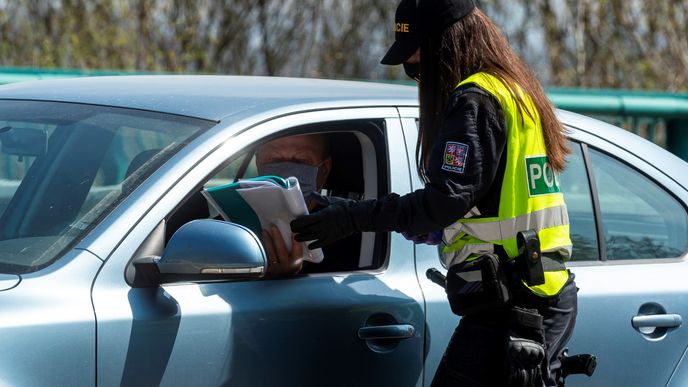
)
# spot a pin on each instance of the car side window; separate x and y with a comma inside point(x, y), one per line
point(243, 165)
point(357, 170)
point(639, 218)
point(576, 188)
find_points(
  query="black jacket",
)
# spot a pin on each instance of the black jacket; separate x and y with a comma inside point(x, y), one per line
point(466, 170)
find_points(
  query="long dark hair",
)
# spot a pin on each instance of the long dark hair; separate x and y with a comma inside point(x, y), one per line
point(475, 44)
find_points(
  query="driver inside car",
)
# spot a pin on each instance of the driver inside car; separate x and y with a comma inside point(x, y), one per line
point(306, 157)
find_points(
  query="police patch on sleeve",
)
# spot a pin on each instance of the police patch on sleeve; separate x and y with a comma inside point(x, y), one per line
point(455, 155)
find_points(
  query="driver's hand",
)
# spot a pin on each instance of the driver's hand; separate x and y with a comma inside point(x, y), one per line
point(281, 262)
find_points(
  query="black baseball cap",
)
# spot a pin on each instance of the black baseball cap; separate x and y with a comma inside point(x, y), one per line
point(416, 17)
point(438, 15)
point(406, 33)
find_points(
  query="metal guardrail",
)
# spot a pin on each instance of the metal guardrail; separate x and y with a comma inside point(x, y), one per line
point(21, 74)
point(657, 116)
point(622, 102)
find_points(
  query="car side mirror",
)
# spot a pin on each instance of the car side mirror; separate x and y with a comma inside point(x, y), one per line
point(204, 250)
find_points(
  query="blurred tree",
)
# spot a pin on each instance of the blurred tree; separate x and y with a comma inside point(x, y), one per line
point(632, 44)
point(586, 43)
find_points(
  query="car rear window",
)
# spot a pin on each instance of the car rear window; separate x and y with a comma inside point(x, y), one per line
point(639, 218)
point(64, 166)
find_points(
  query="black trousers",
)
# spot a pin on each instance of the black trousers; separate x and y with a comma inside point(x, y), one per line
point(475, 355)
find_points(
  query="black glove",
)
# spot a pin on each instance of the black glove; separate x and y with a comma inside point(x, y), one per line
point(325, 227)
point(525, 349)
point(523, 363)
point(525, 353)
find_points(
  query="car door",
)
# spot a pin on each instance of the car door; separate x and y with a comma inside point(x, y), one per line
point(296, 331)
point(440, 320)
point(628, 226)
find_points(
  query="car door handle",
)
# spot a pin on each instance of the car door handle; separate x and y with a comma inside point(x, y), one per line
point(400, 331)
point(656, 321)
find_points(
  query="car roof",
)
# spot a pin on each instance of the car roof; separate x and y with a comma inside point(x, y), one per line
point(211, 97)
point(231, 98)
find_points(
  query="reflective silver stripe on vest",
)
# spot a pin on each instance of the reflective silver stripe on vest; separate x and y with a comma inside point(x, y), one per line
point(563, 251)
point(508, 228)
point(550, 263)
point(451, 258)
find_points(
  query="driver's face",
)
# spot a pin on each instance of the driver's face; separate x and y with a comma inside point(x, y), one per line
point(303, 149)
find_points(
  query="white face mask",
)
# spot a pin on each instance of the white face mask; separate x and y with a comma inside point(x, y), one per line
point(306, 174)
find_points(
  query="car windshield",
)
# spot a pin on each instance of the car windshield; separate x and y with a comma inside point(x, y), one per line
point(64, 166)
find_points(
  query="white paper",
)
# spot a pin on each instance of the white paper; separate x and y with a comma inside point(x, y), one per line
point(279, 206)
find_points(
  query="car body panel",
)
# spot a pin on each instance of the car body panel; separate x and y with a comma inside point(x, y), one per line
point(609, 297)
point(8, 281)
point(680, 375)
point(48, 325)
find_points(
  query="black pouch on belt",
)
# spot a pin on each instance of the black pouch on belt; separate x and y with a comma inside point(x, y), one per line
point(477, 286)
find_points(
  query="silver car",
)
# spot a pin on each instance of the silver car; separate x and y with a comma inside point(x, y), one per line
point(114, 271)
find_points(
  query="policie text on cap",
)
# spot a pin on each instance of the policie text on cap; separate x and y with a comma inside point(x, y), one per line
point(416, 17)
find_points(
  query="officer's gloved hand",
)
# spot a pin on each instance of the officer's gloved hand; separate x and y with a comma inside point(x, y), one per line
point(525, 350)
point(324, 227)
point(523, 366)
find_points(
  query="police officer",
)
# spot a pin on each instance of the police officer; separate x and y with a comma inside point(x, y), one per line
point(488, 149)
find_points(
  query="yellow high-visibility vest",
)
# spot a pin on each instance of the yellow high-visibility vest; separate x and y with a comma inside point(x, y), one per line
point(530, 198)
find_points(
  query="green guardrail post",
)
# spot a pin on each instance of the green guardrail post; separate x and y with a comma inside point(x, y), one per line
point(677, 137)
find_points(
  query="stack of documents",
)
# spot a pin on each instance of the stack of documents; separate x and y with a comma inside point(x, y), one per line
point(261, 202)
